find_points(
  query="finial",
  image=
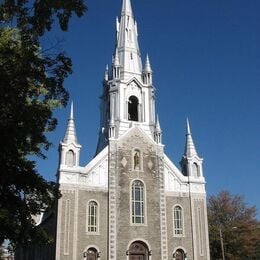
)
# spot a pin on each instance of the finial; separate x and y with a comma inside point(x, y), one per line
point(106, 73)
point(188, 132)
point(71, 110)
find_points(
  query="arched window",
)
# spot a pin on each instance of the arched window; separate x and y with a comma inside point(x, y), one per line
point(70, 158)
point(92, 223)
point(178, 221)
point(179, 255)
point(195, 170)
point(184, 169)
point(133, 108)
point(91, 254)
point(138, 201)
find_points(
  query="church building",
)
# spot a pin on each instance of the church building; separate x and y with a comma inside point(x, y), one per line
point(130, 201)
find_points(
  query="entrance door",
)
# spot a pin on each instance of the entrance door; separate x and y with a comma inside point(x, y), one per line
point(179, 255)
point(136, 257)
point(138, 251)
point(92, 254)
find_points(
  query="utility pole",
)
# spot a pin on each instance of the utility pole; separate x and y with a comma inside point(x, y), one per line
point(221, 243)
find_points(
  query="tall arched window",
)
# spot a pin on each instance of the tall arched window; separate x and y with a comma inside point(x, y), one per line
point(138, 200)
point(92, 223)
point(133, 108)
point(195, 170)
point(178, 221)
point(70, 158)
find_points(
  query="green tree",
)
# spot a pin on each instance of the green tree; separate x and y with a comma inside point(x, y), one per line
point(230, 215)
point(31, 85)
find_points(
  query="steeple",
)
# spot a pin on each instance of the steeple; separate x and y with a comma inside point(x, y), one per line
point(70, 135)
point(69, 147)
point(127, 43)
point(190, 149)
point(128, 97)
point(191, 163)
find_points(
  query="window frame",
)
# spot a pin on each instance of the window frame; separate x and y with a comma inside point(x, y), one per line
point(143, 215)
point(179, 220)
point(88, 224)
point(70, 152)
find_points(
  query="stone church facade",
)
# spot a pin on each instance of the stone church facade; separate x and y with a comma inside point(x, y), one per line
point(130, 202)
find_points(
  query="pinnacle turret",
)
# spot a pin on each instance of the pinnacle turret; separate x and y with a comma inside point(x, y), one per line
point(106, 76)
point(70, 135)
point(158, 127)
point(190, 149)
point(147, 66)
point(158, 132)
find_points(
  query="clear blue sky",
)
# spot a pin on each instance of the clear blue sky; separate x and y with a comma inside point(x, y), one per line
point(205, 56)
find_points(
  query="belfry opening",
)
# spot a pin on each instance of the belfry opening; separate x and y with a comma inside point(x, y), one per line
point(133, 104)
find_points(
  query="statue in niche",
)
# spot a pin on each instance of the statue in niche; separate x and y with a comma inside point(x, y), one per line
point(137, 161)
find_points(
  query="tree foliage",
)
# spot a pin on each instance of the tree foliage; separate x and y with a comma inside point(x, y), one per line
point(32, 86)
point(238, 224)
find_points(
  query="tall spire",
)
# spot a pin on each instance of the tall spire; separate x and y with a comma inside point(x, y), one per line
point(127, 8)
point(190, 149)
point(70, 135)
point(127, 43)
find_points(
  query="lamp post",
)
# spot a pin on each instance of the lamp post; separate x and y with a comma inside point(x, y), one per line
point(222, 244)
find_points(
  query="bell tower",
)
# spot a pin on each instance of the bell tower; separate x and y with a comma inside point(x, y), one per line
point(128, 93)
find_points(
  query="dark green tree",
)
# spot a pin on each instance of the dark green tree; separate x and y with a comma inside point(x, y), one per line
point(31, 86)
point(230, 215)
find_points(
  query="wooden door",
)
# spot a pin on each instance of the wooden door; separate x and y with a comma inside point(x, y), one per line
point(137, 257)
point(92, 254)
point(138, 251)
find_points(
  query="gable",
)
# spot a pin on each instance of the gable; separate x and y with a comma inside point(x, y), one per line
point(173, 179)
point(135, 137)
point(95, 173)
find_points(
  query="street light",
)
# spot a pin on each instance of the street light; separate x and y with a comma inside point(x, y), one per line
point(221, 242)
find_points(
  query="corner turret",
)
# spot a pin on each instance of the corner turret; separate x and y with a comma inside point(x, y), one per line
point(69, 147)
point(191, 163)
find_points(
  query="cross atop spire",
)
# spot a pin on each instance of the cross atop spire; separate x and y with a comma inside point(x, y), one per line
point(70, 135)
point(190, 149)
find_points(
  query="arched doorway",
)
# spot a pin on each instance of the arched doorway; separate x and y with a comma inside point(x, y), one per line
point(133, 104)
point(138, 251)
point(91, 254)
point(179, 255)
